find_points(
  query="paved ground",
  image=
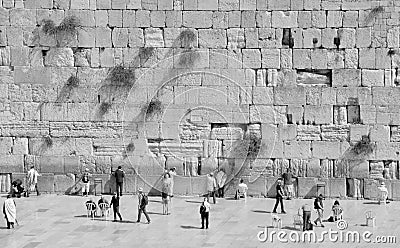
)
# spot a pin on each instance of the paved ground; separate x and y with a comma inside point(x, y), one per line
point(60, 221)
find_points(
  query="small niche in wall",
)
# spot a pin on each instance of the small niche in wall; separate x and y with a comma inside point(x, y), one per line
point(353, 114)
point(314, 77)
point(287, 39)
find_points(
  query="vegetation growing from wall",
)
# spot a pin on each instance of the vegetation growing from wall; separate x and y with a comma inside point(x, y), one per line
point(154, 107)
point(67, 28)
point(65, 92)
point(364, 146)
point(373, 14)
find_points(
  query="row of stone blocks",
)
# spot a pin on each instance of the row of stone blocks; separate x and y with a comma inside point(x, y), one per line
point(224, 5)
point(263, 186)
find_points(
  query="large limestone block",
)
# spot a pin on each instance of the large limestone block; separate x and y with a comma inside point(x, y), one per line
point(371, 190)
point(289, 96)
point(34, 75)
point(307, 187)
point(91, 129)
point(318, 114)
point(299, 167)
point(25, 128)
point(297, 149)
point(182, 185)
point(60, 57)
point(46, 183)
point(337, 187)
point(210, 38)
point(256, 187)
point(287, 131)
point(358, 169)
point(197, 19)
point(314, 168)
point(268, 114)
point(108, 146)
point(372, 78)
point(284, 19)
point(295, 114)
point(63, 182)
point(308, 132)
point(6, 144)
point(396, 190)
point(199, 185)
point(335, 132)
point(387, 151)
point(357, 131)
point(271, 149)
point(280, 166)
point(326, 149)
point(12, 163)
point(346, 77)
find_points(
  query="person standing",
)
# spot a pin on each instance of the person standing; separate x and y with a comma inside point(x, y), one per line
point(32, 179)
point(221, 179)
point(211, 187)
point(172, 174)
point(86, 182)
point(318, 205)
point(115, 204)
point(306, 216)
point(279, 197)
point(10, 211)
point(119, 178)
point(205, 212)
point(288, 184)
point(142, 203)
point(165, 193)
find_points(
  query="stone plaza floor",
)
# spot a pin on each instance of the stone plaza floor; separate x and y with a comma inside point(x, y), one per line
point(60, 221)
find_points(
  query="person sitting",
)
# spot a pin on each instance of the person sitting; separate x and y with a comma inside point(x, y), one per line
point(17, 189)
point(93, 210)
point(337, 211)
point(241, 190)
point(102, 200)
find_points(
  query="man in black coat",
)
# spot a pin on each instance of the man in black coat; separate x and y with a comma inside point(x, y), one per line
point(119, 178)
point(115, 204)
point(279, 197)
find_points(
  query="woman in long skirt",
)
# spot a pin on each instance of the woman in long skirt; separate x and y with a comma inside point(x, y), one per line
point(10, 211)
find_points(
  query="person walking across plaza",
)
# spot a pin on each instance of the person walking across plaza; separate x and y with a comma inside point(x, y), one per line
point(205, 213)
point(115, 205)
point(119, 178)
point(142, 203)
point(86, 182)
point(306, 217)
point(10, 211)
point(279, 197)
point(211, 187)
point(318, 205)
point(32, 179)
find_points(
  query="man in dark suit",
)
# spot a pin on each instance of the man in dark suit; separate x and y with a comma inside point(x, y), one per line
point(279, 197)
point(119, 178)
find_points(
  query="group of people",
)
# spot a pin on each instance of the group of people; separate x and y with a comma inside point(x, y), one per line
point(337, 213)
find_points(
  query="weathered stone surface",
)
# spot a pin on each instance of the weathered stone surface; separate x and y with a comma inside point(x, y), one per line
point(289, 95)
point(335, 132)
point(308, 132)
point(326, 149)
point(312, 79)
point(29, 129)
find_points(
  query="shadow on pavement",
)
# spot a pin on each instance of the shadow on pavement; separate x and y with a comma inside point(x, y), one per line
point(261, 211)
point(190, 227)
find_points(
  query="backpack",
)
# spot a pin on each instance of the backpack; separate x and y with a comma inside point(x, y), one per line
point(202, 209)
point(145, 200)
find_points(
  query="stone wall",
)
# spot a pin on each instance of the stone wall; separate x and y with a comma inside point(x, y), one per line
point(149, 84)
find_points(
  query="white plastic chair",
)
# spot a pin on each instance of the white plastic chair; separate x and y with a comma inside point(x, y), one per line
point(91, 209)
point(370, 218)
point(104, 209)
point(276, 221)
point(337, 214)
point(297, 221)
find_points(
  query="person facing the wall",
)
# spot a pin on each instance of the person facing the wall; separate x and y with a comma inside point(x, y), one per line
point(119, 179)
point(32, 179)
point(86, 182)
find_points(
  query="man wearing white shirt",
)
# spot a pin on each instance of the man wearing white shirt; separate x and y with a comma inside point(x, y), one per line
point(32, 181)
point(205, 212)
point(242, 190)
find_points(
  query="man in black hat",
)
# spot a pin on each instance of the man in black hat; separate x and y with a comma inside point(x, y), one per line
point(279, 197)
point(119, 178)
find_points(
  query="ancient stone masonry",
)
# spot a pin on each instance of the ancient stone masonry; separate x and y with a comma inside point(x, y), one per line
point(257, 87)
